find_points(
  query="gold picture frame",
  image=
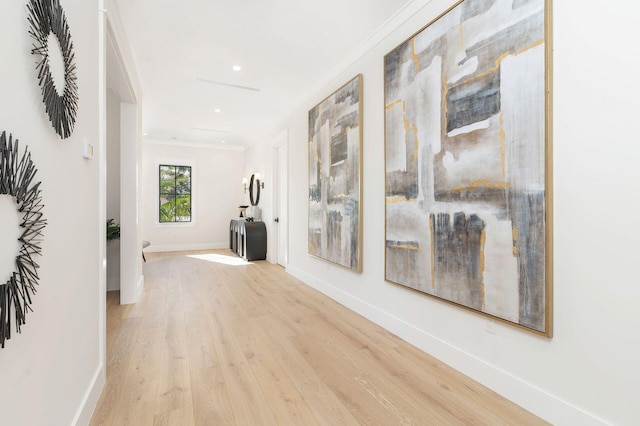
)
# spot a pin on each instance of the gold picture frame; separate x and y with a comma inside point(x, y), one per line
point(335, 177)
point(468, 184)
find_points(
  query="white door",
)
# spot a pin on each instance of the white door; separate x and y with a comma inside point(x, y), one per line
point(279, 240)
point(282, 223)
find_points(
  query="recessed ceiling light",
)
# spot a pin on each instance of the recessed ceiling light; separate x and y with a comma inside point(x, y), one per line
point(223, 141)
point(217, 110)
point(145, 134)
point(237, 68)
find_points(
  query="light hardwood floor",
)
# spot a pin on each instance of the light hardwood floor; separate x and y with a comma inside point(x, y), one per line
point(217, 344)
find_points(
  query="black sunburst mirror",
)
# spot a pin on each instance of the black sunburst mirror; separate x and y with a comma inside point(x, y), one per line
point(17, 180)
point(46, 18)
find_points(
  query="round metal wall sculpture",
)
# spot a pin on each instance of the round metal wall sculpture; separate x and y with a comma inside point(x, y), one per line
point(47, 17)
point(17, 179)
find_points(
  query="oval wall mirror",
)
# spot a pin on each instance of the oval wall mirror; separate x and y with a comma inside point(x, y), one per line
point(254, 183)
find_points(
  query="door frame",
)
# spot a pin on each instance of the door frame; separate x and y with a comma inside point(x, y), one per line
point(279, 202)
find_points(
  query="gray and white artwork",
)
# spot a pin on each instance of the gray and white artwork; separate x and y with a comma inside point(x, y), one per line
point(465, 142)
point(335, 143)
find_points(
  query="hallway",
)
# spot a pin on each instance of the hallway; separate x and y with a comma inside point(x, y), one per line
point(216, 340)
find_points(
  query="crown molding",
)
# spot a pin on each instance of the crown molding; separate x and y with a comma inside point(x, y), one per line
point(192, 144)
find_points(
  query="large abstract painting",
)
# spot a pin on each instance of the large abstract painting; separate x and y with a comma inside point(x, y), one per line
point(335, 177)
point(467, 163)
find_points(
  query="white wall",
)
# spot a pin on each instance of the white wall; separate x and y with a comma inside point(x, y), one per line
point(113, 187)
point(131, 278)
point(217, 182)
point(259, 160)
point(588, 373)
point(47, 371)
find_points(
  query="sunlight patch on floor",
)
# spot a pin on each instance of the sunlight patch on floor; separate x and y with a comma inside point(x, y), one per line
point(219, 258)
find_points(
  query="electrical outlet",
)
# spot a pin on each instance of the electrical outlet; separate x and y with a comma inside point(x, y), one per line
point(490, 327)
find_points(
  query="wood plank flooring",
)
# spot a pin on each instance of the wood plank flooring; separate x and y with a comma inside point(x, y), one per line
point(216, 341)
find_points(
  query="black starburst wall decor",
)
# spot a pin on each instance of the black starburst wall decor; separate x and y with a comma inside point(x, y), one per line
point(47, 17)
point(17, 179)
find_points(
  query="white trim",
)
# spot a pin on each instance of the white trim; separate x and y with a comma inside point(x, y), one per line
point(192, 144)
point(537, 401)
point(274, 232)
point(110, 8)
point(91, 397)
point(88, 403)
point(186, 247)
point(163, 225)
point(130, 241)
point(280, 173)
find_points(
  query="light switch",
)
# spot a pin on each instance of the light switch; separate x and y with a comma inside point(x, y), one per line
point(87, 150)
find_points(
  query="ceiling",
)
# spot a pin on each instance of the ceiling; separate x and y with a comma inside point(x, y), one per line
point(184, 52)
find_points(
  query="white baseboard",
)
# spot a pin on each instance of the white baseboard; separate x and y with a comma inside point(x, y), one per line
point(90, 400)
point(155, 248)
point(533, 399)
point(113, 284)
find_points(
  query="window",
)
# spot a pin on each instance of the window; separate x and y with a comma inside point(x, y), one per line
point(175, 194)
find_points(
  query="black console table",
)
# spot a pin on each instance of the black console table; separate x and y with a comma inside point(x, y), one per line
point(248, 239)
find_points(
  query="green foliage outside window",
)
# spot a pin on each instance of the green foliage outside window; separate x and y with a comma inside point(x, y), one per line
point(175, 194)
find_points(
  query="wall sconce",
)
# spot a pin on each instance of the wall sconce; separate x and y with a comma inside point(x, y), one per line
point(260, 182)
point(244, 183)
